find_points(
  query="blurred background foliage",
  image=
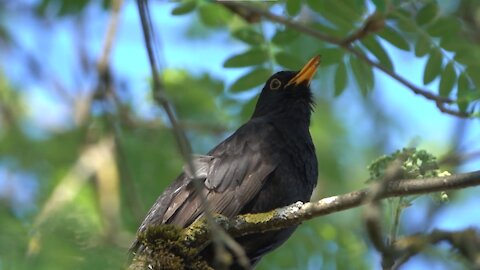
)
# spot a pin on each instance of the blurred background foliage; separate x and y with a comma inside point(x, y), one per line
point(84, 150)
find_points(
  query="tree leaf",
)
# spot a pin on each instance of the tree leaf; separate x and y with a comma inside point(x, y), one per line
point(423, 46)
point(447, 80)
point(288, 60)
point(378, 51)
point(463, 88)
point(427, 13)
point(214, 15)
point(334, 15)
point(472, 72)
point(184, 8)
point(285, 36)
point(248, 35)
point(395, 38)
point(380, 5)
point(251, 79)
point(293, 7)
point(331, 56)
point(252, 57)
point(433, 67)
point(341, 79)
point(444, 27)
point(469, 55)
point(363, 75)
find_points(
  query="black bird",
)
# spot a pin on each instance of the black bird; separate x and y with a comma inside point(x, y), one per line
point(269, 162)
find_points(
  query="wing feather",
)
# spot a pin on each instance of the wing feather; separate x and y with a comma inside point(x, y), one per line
point(232, 173)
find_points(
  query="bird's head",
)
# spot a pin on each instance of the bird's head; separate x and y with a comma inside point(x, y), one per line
point(288, 90)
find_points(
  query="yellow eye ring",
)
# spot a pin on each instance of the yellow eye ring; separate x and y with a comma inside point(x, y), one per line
point(275, 84)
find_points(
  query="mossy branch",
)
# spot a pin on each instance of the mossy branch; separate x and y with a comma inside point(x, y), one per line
point(197, 236)
point(294, 214)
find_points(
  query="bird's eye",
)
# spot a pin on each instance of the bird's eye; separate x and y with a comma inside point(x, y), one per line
point(275, 84)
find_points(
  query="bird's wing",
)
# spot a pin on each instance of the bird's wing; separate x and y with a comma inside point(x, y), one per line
point(231, 174)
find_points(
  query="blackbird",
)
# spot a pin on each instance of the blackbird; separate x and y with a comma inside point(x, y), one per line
point(269, 162)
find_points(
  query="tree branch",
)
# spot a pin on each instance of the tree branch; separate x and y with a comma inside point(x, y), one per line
point(220, 238)
point(197, 234)
point(346, 44)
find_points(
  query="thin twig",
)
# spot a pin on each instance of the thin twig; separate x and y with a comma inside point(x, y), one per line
point(220, 239)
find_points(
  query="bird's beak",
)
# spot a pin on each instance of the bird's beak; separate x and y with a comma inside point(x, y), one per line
point(307, 72)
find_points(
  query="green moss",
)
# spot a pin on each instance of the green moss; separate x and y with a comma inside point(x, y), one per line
point(259, 217)
point(166, 250)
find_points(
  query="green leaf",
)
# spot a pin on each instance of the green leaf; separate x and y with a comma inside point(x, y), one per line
point(335, 15)
point(286, 36)
point(288, 60)
point(469, 56)
point(213, 15)
point(253, 78)
point(363, 75)
point(403, 19)
point(447, 80)
point(433, 67)
point(293, 7)
point(331, 56)
point(473, 73)
point(378, 51)
point(254, 56)
point(423, 46)
point(184, 8)
point(444, 27)
point(380, 5)
point(341, 79)
point(395, 38)
point(71, 7)
point(248, 35)
point(427, 13)
point(463, 88)
point(454, 43)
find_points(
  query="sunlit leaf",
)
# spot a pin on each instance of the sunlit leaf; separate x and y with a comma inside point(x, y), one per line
point(293, 7)
point(288, 60)
point(462, 91)
point(248, 35)
point(251, 79)
point(473, 72)
point(444, 26)
point(447, 80)
point(252, 57)
point(213, 15)
point(331, 56)
point(363, 75)
point(427, 13)
point(71, 7)
point(380, 5)
point(341, 79)
point(454, 43)
point(377, 49)
point(469, 55)
point(433, 67)
point(285, 36)
point(395, 38)
point(335, 15)
point(403, 20)
point(422, 46)
point(184, 7)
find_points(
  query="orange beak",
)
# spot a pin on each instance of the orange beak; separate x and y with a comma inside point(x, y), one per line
point(307, 72)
